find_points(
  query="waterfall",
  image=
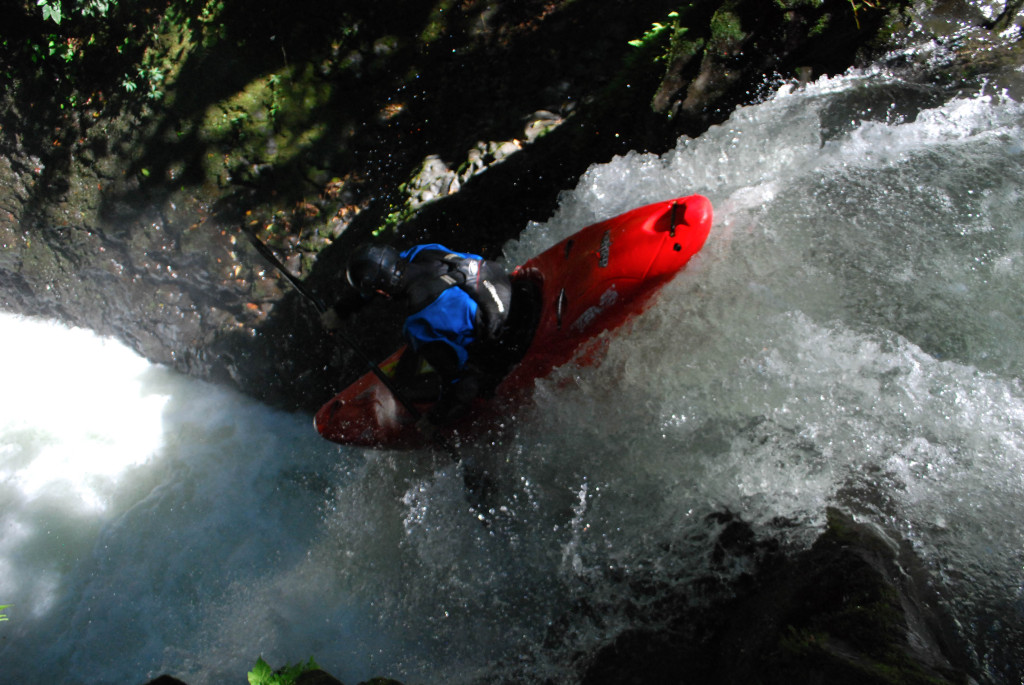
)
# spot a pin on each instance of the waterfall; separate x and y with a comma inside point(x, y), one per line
point(852, 335)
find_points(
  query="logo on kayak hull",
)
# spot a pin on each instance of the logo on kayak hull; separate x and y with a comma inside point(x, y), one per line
point(605, 253)
point(608, 298)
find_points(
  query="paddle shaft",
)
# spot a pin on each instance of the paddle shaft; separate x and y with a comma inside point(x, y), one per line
point(301, 288)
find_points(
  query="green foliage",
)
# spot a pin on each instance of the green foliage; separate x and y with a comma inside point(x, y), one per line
point(274, 83)
point(51, 10)
point(437, 25)
point(95, 8)
point(394, 219)
point(673, 35)
point(199, 17)
point(262, 674)
point(657, 32)
point(725, 28)
point(83, 9)
point(76, 51)
point(100, 31)
point(859, 5)
point(150, 76)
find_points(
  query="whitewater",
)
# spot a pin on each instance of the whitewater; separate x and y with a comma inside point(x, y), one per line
point(852, 335)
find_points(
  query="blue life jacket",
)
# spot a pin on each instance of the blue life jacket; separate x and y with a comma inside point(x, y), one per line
point(451, 316)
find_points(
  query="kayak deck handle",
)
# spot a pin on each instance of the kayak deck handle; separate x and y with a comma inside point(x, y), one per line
point(672, 221)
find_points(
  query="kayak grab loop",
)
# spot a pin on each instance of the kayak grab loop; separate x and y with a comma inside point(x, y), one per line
point(672, 220)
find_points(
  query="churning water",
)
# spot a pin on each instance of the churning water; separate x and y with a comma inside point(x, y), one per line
point(852, 335)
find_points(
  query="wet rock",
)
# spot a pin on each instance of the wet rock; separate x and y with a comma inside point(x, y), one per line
point(317, 677)
point(165, 680)
point(541, 123)
point(844, 611)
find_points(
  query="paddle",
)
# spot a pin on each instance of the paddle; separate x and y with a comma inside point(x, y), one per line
point(305, 292)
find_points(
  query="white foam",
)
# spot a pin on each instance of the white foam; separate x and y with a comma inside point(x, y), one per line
point(74, 415)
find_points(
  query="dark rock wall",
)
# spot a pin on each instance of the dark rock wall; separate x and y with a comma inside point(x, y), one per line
point(845, 611)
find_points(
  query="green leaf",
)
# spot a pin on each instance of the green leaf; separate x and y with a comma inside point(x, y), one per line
point(260, 673)
point(51, 10)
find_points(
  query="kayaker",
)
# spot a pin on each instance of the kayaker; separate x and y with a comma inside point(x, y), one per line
point(457, 305)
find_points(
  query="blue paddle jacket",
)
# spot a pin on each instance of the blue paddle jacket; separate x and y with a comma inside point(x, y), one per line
point(450, 318)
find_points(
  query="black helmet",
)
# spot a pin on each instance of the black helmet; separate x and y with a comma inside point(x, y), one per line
point(372, 268)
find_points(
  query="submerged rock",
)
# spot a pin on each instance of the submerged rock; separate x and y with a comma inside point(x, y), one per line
point(844, 611)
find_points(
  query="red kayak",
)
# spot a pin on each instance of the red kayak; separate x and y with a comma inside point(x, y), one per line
point(590, 282)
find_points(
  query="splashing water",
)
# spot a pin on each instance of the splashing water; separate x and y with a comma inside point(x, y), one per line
point(852, 335)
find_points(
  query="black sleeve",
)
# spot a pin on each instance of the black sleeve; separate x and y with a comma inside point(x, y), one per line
point(494, 297)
